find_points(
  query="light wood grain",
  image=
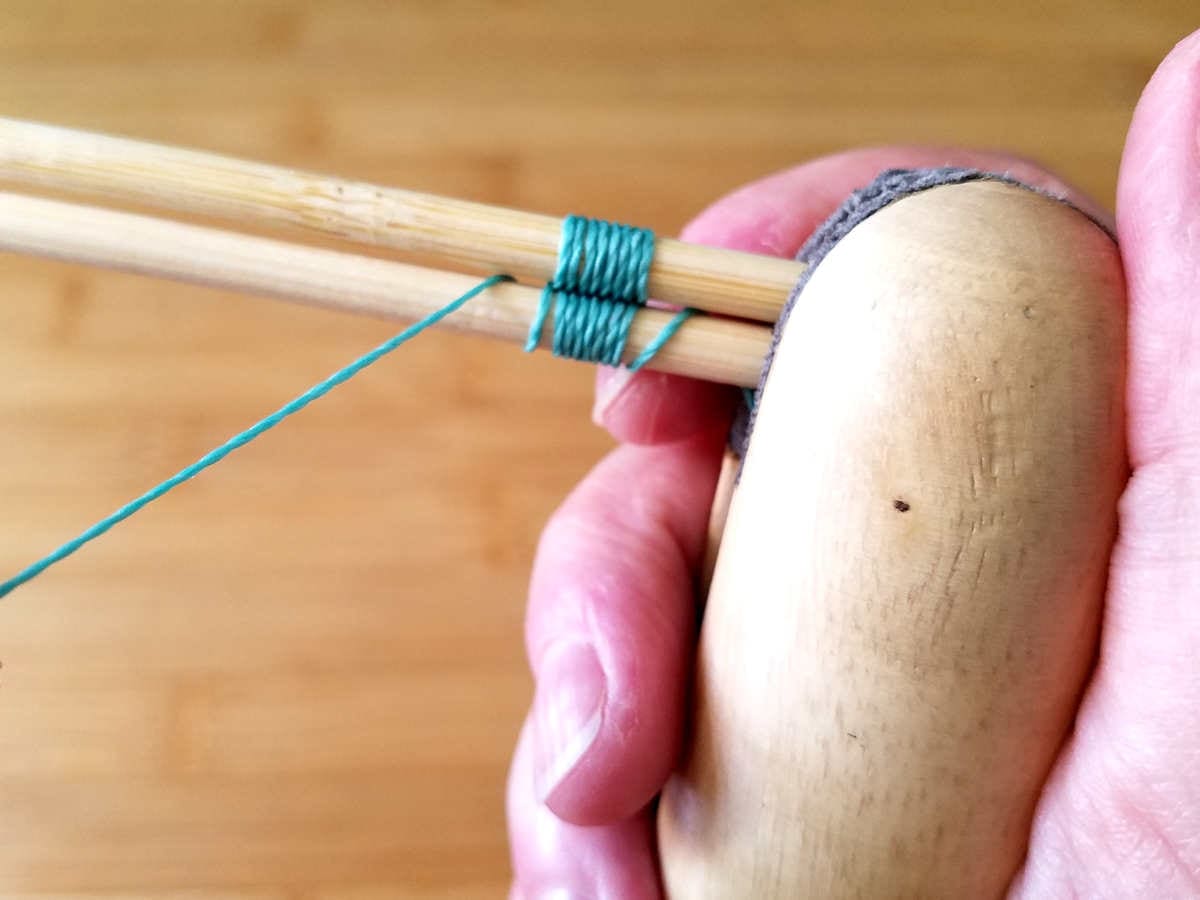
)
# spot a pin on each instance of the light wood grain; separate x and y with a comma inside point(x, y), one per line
point(907, 599)
point(387, 534)
point(488, 239)
point(709, 347)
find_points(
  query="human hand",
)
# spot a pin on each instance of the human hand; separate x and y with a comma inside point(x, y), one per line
point(612, 613)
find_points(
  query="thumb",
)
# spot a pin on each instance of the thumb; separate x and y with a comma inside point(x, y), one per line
point(1119, 818)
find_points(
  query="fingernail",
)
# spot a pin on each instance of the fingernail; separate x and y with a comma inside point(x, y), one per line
point(611, 384)
point(567, 711)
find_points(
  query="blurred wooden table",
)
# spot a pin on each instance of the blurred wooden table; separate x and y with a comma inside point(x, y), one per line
point(300, 677)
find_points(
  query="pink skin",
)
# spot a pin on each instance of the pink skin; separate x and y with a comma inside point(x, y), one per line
point(610, 627)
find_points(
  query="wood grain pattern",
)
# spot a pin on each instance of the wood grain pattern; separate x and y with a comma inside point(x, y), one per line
point(907, 599)
point(714, 348)
point(452, 232)
point(211, 702)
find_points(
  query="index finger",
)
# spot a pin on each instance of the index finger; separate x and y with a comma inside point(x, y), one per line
point(774, 217)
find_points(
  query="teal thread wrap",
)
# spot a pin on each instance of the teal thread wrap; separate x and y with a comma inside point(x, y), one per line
point(599, 284)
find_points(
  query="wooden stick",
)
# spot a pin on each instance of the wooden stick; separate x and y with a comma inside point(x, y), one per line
point(706, 347)
point(487, 238)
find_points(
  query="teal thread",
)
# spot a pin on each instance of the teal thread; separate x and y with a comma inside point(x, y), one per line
point(661, 338)
point(239, 440)
point(591, 329)
point(599, 284)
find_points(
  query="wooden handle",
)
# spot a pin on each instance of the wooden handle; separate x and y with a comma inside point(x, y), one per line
point(907, 598)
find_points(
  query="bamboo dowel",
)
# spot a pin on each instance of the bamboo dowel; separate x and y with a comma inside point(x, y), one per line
point(705, 347)
point(482, 237)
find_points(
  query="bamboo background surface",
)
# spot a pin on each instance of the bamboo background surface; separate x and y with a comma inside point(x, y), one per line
point(300, 677)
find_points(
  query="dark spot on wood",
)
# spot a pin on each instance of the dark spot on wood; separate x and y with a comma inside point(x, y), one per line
point(279, 32)
point(307, 126)
point(852, 734)
point(1027, 312)
point(901, 505)
point(65, 326)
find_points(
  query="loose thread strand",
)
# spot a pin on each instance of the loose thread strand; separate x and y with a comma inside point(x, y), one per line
point(241, 439)
point(599, 285)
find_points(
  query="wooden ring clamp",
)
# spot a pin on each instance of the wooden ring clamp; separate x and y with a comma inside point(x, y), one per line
point(906, 601)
